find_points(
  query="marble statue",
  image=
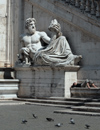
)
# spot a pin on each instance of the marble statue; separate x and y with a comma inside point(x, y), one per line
point(31, 42)
point(58, 51)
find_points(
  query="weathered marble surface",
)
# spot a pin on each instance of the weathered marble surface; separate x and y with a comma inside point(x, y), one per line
point(8, 88)
point(31, 42)
point(3, 7)
point(57, 52)
point(46, 81)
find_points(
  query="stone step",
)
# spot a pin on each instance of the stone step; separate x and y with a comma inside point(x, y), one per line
point(9, 85)
point(84, 100)
point(9, 80)
point(8, 96)
point(47, 104)
point(86, 109)
point(69, 111)
point(8, 88)
point(71, 99)
point(93, 104)
point(75, 103)
point(96, 100)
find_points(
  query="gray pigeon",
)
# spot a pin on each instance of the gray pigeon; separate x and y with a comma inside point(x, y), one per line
point(24, 121)
point(50, 119)
point(87, 126)
point(59, 124)
point(72, 121)
point(35, 116)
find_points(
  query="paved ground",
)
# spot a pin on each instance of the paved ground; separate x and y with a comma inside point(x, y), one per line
point(11, 116)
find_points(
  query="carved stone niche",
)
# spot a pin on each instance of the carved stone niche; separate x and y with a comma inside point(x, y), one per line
point(46, 81)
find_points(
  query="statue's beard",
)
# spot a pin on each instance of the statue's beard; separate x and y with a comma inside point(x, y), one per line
point(32, 31)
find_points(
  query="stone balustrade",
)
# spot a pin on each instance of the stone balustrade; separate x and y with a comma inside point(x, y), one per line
point(90, 6)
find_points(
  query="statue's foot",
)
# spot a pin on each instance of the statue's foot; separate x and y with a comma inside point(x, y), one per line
point(32, 63)
point(77, 59)
point(72, 62)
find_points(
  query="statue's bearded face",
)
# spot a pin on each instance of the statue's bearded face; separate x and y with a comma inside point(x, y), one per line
point(31, 27)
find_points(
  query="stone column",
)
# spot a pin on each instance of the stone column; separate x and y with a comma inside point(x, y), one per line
point(10, 15)
point(3, 19)
point(6, 33)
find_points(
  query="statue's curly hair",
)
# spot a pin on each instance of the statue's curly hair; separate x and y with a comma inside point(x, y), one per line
point(28, 21)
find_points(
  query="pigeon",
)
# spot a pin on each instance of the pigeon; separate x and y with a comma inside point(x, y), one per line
point(87, 126)
point(24, 121)
point(50, 119)
point(72, 121)
point(59, 124)
point(35, 116)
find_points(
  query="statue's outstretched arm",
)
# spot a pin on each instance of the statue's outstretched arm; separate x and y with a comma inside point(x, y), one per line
point(45, 37)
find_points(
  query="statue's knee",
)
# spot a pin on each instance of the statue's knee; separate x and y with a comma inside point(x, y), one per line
point(22, 50)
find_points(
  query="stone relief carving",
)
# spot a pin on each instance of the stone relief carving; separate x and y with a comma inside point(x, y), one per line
point(57, 52)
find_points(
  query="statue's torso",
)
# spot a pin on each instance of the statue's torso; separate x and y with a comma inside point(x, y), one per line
point(32, 40)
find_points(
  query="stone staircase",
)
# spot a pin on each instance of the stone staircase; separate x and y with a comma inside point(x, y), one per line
point(8, 88)
point(92, 107)
point(53, 101)
point(82, 106)
point(88, 106)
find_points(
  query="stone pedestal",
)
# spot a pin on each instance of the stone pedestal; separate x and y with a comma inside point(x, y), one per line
point(45, 81)
point(8, 88)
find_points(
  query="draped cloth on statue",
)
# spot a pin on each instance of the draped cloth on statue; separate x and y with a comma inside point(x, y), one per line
point(57, 53)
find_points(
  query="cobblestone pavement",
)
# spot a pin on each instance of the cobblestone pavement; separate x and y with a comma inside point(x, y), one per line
point(11, 117)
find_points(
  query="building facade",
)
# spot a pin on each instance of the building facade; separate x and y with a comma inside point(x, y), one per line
point(81, 29)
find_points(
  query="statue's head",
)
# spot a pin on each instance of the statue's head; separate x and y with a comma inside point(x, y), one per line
point(55, 26)
point(30, 25)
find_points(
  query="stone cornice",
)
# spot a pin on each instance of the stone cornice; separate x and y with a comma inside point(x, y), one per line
point(44, 68)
